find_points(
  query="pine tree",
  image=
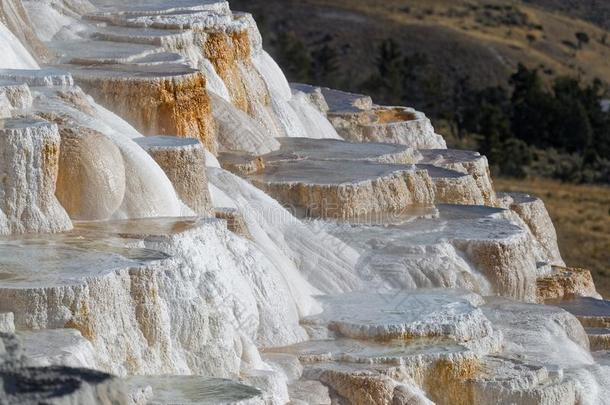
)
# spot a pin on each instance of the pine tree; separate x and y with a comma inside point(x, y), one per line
point(294, 57)
point(582, 38)
point(326, 66)
point(532, 108)
point(390, 72)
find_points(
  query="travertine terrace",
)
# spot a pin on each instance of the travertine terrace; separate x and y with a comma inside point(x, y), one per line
point(179, 224)
point(183, 161)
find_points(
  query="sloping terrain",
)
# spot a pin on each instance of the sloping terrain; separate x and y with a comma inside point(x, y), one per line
point(596, 11)
point(482, 39)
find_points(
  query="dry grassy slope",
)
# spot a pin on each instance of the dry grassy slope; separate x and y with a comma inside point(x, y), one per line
point(582, 219)
point(596, 11)
point(452, 33)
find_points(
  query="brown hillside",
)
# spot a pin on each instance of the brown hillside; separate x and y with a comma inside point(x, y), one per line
point(484, 39)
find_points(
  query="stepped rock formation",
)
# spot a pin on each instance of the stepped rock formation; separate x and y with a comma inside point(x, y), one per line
point(467, 162)
point(30, 150)
point(155, 101)
point(181, 225)
point(358, 119)
point(332, 189)
point(183, 160)
point(532, 211)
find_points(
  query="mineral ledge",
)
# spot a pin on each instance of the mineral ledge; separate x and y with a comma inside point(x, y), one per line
point(181, 225)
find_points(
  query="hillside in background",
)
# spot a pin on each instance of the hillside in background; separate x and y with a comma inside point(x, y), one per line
point(486, 39)
point(595, 11)
point(449, 58)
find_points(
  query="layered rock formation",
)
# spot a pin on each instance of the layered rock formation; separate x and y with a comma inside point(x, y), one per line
point(166, 100)
point(358, 119)
point(335, 252)
point(331, 189)
point(29, 167)
point(183, 160)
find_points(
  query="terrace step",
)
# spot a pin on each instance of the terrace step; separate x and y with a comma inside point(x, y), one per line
point(357, 119)
point(146, 36)
point(155, 98)
point(453, 187)
point(463, 161)
point(48, 77)
point(164, 7)
point(332, 149)
point(101, 52)
point(450, 250)
point(451, 344)
point(340, 101)
point(344, 189)
point(599, 338)
point(591, 312)
point(566, 282)
point(534, 214)
point(401, 315)
point(183, 161)
point(194, 390)
point(168, 16)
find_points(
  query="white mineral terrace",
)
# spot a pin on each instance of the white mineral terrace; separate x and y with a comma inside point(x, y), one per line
point(181, 225)
point(332, 149)
point(189, 390)
point(358, 119)
point(344, 189)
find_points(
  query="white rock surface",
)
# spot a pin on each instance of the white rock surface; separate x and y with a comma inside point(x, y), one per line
point(57, 347)
point(357, 119)
point(168, 296)
point(238, 301)
point(7, 322)
point(15, 56)
point(192, 390)
point(148, 191)
point(534, 214)
point(402, 315)
point(309, 392)
point(238, 131)
point(183, 161)
point(91, 179)
point(295, 246)
point(29, 165)
point(14, 98)
point(345, 189)
point(47, 77)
